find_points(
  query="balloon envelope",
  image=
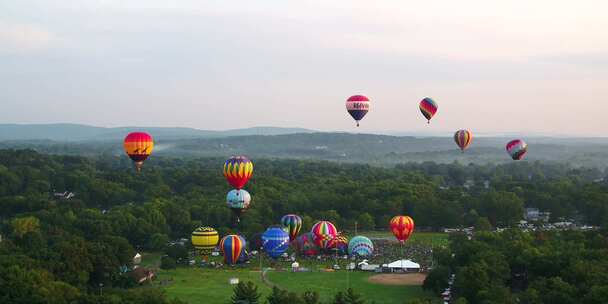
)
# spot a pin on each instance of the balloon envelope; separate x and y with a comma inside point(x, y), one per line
point(205, 238)
point(305, 244)
point(517, 149)
point(357, 106)
point(238, 199)
point(293, 224)
point(232, 246)
point(463, 139)
point(360, 246)
point(323, 232)
point(138, 146)
point(402, 227)
point(238, 170)
point(339, 244)
point(275, 241)
point(428, 107)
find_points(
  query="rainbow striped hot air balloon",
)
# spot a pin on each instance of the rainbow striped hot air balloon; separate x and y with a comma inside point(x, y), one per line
point(517, 149)
point(402, 227)
point(428, 107)
point(138, 146)
point(293, 224)
point(323, 232)
point(232, 247)
point(275, 241)
point(238, 170)
point(360, 246)
point(463, 139)
point(205, 239)
point(357, 106)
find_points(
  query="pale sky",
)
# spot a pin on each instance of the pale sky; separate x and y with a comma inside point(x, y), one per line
point(492, 66)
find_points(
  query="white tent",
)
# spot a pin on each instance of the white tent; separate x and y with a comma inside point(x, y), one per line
point(137, 259)
point(405, 265)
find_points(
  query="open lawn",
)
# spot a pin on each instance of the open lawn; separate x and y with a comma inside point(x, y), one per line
point(196, 285)
point(328, 283)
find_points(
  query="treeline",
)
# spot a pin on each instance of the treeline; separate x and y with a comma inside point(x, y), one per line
point(511, 267)
point(81, 242)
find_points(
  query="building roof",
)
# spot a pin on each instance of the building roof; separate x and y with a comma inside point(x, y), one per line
point(402, 264)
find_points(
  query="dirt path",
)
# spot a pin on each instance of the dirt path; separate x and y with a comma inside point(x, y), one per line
point(407, 279)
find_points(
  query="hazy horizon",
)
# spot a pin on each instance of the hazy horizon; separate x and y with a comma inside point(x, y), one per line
point(516, 67)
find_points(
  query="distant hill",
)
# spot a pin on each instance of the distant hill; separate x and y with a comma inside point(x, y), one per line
point(77, 132)
point(379, 150)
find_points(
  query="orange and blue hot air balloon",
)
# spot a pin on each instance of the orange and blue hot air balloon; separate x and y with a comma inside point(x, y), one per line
point(138, 145)
point(232, 246)
point(428, 107)
point(517, 149)
point(463, 139)
point(238, 170)
point(324, 232)
point(275, 241)
point(292, 223)
point(357, 106)
point(402, 227)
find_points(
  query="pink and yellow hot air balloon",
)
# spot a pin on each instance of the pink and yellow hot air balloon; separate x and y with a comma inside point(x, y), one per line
point(517, 149)
point(402, 227)
point(463, 139)
point(428, 107)
point(138, 146)
point(323, 233)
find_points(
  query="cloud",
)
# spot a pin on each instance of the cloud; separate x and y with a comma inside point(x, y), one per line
point(15, 37)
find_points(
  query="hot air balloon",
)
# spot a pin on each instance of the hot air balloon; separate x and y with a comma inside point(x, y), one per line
point(360, 246)
point(232, 246)
point(255, 241)
point(340, 244)
point(428, 107)
point(204, 239)
point(463, 139)
point(238, 200)
point(517, 149)
point(275, 241)
point(292, 223)
point(402, 227)
point(138, 145)
point(357, 106)
point(305, 244)
point(323, 232)
point(238, 170)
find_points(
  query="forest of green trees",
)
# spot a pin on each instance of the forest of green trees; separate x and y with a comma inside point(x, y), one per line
point(59, 250)
point(557, 267)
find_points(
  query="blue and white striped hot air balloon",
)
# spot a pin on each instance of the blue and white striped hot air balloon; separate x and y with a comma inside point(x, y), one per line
point(360, 246)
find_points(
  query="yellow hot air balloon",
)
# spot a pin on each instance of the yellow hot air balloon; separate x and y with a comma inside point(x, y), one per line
point(205, 239)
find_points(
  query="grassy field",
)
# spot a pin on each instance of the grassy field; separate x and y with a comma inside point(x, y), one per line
point(328, 283)
point(203, 285)
point(196, 285)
